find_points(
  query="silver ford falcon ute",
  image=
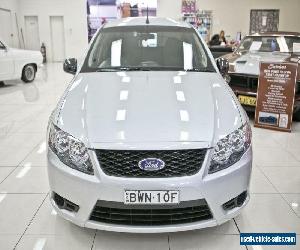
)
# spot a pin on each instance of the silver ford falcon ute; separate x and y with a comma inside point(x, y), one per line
point(148, 137)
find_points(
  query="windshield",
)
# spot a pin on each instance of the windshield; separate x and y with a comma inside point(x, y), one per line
point(147, 48)
point(287, 44)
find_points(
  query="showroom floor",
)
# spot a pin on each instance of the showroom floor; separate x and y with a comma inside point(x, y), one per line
point(28, 222)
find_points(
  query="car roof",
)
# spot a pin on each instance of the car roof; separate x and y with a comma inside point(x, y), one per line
point(277, 33)
point(140, 21)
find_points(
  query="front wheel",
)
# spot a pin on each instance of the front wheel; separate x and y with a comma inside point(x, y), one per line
point(28, 73)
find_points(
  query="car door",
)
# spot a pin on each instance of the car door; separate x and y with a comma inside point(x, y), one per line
point(6, 63)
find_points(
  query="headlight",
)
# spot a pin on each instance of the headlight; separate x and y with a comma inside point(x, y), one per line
point(70, 150)
point(230, 149)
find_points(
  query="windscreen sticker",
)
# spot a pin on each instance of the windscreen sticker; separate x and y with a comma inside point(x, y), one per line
point(255, 46)
point(296, 47)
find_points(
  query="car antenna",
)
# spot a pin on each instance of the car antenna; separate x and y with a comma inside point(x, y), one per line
point(147, 20)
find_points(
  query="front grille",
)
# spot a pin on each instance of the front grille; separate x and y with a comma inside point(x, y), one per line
point(243, 81)
point(119, 213)
point(124, 163)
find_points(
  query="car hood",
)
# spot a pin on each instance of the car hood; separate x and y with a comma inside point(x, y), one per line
point(124, 108)
point(249, 63)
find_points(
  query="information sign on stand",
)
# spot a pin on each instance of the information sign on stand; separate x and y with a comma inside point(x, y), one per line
point(275, 96)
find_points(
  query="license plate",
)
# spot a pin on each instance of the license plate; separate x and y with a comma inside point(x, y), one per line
point(151, 197)
point(247, 100)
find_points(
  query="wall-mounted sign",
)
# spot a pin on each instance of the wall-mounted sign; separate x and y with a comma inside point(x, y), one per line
point(275, 96)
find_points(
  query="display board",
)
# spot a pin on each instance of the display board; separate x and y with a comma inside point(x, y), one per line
point(264, 21)
point(275, 96)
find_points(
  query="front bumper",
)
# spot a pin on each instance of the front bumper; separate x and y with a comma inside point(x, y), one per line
point(85, 190)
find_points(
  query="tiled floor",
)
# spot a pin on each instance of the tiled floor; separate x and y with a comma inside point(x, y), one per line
point(28, 222)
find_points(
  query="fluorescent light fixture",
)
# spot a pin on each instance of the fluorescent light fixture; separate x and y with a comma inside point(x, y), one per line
point(42, 148)
point(61, 120)
point(121, 135)
point(53, 212)
point(123, 95)
point(236, 119)
point(184, 116)
point(180, 96)
point(216, 85)
point(82, 104)
point(121, 115)
point(177, 79)
point(24, 170)
point(116, 53)
point(187, 56)
point(181, 73)
point(125, 79)
point(2, 196)
point(122, 73)
point(184, 136)
point(40, 244)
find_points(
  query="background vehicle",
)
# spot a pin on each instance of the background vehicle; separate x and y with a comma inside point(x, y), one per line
point(267, 47)
point(18, 63)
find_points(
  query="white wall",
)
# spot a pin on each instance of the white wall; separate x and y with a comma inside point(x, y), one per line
point(11, 5)
point(75, 21)
point(234, 15)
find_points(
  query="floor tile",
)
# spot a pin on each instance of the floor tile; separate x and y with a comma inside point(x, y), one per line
point(196, 240)
point(24, 140)
point(122, 241)
point(259, 183)
point(47, 222)
point(227, 228)
point(274, 157)
point(268, 213)
point(8, 241)
point(55, 242)
point(11, 157)
point(285, 179)
point(26, 179)
point(4, 172)
point(38, 157)
point(294, 201)
point(17, 210)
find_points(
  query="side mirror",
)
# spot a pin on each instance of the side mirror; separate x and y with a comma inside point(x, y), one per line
point(70, 66)
point(223, 66)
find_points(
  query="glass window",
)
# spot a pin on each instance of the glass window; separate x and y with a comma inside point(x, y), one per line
point(286, 44)
point(147, 48)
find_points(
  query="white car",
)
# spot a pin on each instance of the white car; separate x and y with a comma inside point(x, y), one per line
point(18, 63)
point(148, 137)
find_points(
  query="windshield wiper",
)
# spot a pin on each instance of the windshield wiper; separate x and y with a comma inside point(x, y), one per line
point(199, 70)
point(113, 69)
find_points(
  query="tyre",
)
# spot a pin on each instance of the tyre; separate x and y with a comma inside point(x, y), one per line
point(28, 73)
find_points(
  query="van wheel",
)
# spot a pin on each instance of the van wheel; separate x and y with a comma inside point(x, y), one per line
point(28, 73)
